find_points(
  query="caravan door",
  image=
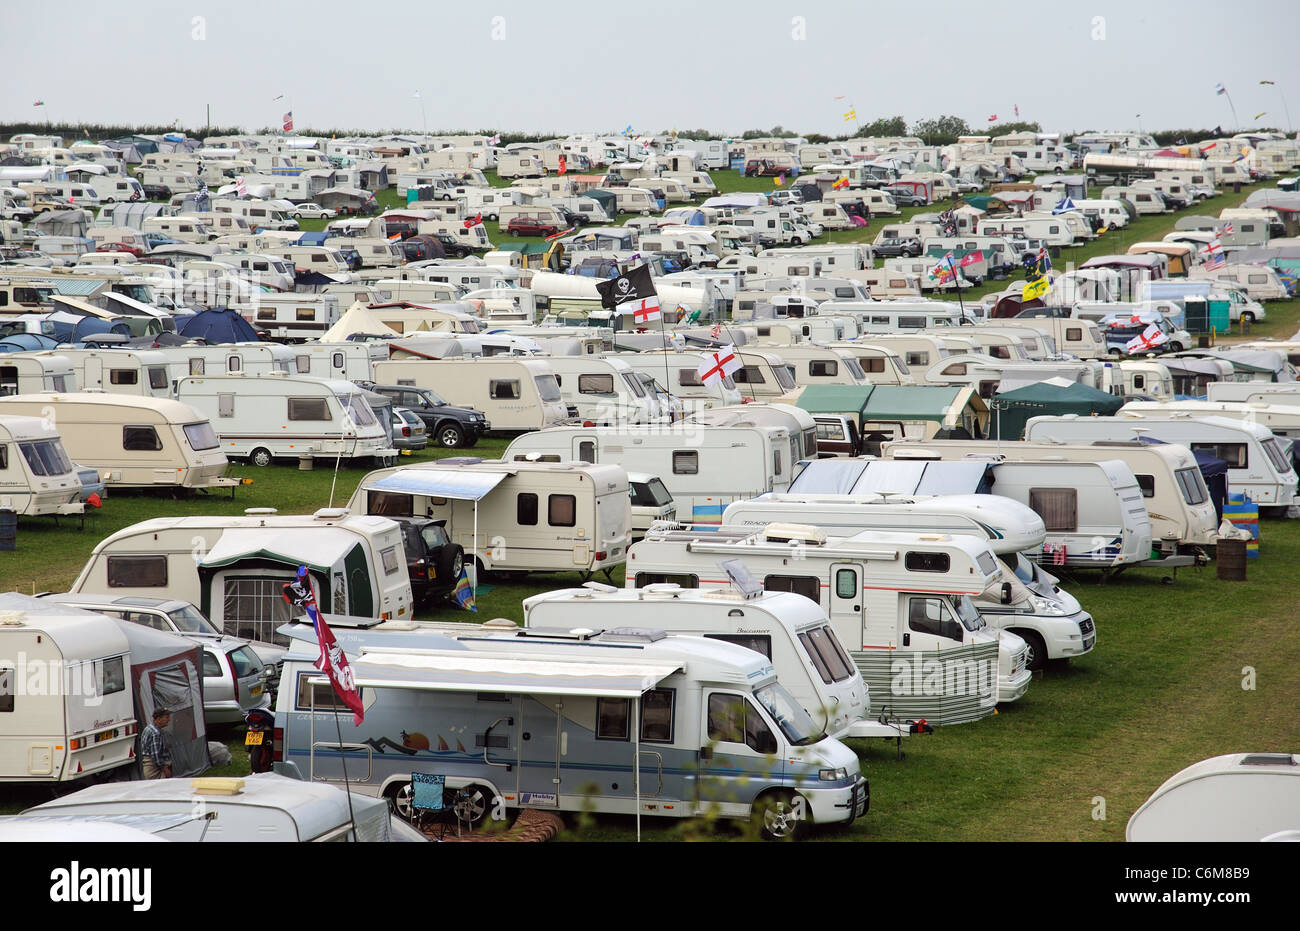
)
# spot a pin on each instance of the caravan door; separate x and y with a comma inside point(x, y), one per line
point(846, 597)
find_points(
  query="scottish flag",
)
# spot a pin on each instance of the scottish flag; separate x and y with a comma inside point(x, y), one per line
point(1064, 206)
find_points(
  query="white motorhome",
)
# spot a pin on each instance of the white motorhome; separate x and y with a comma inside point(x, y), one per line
point(1257, 464)
point(234, 568)
point(894, 599)
point(36, 475)
point(79, 720)
point(133, 442)
point(1028, 603)
point(262, 417)
point(493, 510)
point(792, 633)
point(514, 394)
point(704, 467)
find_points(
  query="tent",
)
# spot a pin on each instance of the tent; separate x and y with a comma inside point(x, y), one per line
point(62, 223)
point(218, 325)
point(1012, 409)
point(357, 319)
point(166, 671)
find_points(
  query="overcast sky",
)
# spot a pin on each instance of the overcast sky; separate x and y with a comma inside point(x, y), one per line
point(655, 64)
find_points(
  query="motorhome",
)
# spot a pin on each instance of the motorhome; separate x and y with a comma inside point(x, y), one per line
point(133, 442)
point(36, 475)
point(630, 711)
point(1053, 231)
point(894, 599)
point(1029, 602)
point(233, 568)
point(1260, 282)
point(604, 390)
point(1173, 491)
point(679, 373)
point(1280, 415)
point(514, 394)
point(1257, 464)
point(492, 510)
point(1237, 797)
point(703, 467)
point(1094, 511)
point(66, 681)
point(1082, 338)
point(791, 632)
point(262, 417)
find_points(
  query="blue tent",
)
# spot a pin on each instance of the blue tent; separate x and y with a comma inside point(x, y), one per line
point(219, 325)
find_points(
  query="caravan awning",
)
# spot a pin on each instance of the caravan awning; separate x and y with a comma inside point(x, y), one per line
point(440, 483)
point(475, 671)
point(327, 547)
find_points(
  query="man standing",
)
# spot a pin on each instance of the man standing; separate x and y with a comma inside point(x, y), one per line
point(155, 754)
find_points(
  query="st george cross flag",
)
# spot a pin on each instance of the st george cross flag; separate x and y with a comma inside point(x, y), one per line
point(564, 165)
point(718, 365)
point(634, 291)
point(331, 661)
point(241, 187)
point(1149, 338)
point(288, 122)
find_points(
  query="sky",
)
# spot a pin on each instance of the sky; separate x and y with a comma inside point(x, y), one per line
point(656, 65)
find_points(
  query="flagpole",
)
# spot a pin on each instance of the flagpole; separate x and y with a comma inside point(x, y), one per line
point(343, 759)
point(1235, 122)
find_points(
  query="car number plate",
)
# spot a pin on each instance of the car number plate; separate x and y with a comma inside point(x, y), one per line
point(255, 691)
point(253, 739)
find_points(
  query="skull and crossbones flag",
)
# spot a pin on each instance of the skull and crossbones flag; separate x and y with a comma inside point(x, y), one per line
point(634, 291)
point(331, 661)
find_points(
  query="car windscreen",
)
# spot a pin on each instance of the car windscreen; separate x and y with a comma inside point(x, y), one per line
point(190, 620)
point(649, 494)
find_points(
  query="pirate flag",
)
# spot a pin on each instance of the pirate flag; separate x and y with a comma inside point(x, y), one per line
point(634, 291)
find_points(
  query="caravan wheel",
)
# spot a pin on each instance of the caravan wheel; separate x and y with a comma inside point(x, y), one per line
point(471, 805)
point(260, 457)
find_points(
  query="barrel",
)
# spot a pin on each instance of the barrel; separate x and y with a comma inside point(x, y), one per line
point(1230, 560)
point(8, 529)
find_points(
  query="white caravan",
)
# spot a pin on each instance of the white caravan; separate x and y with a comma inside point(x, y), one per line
point(494, 510)
point(896, 600)
point(36, 476)
point(1237, 797)
point(262, 417)
point(604, 391)
point(679, 373)
point(794, 634)
point(705, 468)
point(1257, 464)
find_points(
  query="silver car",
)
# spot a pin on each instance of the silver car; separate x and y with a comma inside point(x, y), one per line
point(408, 430)
point(234, 681)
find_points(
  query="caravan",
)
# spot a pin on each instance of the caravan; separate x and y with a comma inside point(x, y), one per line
point(261, 417)
point(514, 394)
point(901, 602)
point(36, 476)
point(493, 510)
point(133, 442)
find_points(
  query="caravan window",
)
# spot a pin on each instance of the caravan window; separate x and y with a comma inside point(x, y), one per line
point(561, 510)
point(918, 358)
point(1073, 334)
point(1192, 485)
point(595, 384)
point(137, 572)
point(140, 438)
point(389, 504)
point(1148, 485)
point(808, 586)
point(824, 651)
point(7, 690)
point(759, 643)
point(308, 409)
point(927, 562)
point(1058, 507)
point(503, 389)
point(823, 368)
point(46, 457)
point(157, 377)
point(112, 676)
point(321, 696)
point(306, 313)
point(612, 719)
point(684, 580)
point(201, 436)
point(872, 364)
point(686, 462)
point(526, 509)
point(123, 377)
point(587, 451)
point(196, 367)
point(1234, 454)
point(749, 375)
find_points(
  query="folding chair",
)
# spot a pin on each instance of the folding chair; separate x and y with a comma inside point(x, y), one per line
point(429, 800)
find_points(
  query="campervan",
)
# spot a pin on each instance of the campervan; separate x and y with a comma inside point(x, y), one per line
point(789, 630)
point(704, 467)
point(133, 442)
point(899, 602)
point(1257, 464)
point(514, 394)
point(493, 510)
point(65, 678)
point(1028, 603)
point(36, 476)
point(629, 712)
point(1173, 491)
point(234, 568)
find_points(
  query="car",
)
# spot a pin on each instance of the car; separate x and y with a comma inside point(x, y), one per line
point(898, 246)
point(433, 562)
point(785, 198)
point(159, 239)
point(531, 226)
point(764, 168)
point(120, 247)
point(157, 191)
point(453, 247)
point(408, 430)
point(966, 187)
point(445, 424)
point(234, 681)
point(310, 211)
point(905, 197)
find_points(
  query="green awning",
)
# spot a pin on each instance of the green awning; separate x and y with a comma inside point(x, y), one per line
point(910, 402)
point(835, 399)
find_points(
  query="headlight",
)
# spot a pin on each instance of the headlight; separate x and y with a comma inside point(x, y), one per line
point(831, 775)
point(1043, 606)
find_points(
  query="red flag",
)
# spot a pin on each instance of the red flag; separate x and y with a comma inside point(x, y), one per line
point(331, 661)
point(474, 221)
point(564, 166)
point(993, 118)
point(970, 258)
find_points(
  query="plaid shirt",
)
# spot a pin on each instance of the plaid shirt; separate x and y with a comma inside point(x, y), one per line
point(153, 746)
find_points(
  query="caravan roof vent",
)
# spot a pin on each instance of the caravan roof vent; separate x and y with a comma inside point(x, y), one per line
point(330, 513)
point(599, 587)
point(217, 785)
point(251, 512)
point(789, 533)
point(500, 623)
point(668, 589)
point(13, 618)
point(460, 460)
point(632, 635)
point(1269, 759)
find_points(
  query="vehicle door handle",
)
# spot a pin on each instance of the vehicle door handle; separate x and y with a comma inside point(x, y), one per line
point(907, 640)
point(857, 607)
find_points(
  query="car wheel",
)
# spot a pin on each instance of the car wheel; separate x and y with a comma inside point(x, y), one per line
point(298, 216)
point(1176, 347)
point(778, 816)
point(260, 457)
point(1247, 317)
point(451, 435)
point(456, 565)
point(1035, 649)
